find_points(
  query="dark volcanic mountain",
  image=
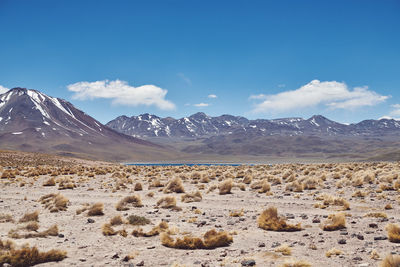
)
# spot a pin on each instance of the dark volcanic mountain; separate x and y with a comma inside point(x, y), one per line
point(33, 121)
point(230, 136)
point(200, 125)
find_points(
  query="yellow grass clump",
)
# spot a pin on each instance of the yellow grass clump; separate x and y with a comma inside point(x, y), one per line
point(30, 217)
point(27, 256)
point(192, 197)
point(54, 202)
point(96, 209)
point(335, 222)
point(225, 186)
point(390, 261)
point(52, 231)
point(284, 250)
point(160, 228)
point(50, 182)
point(134, 201)
point(333, 252)
point(376, 215)
point(393, 232)
point(168, 202)
point(138, 187)
point(211, 239)
point(295, 263)
point(6, 218)
point(175, 185)
point(116, 220)
point(269, 220)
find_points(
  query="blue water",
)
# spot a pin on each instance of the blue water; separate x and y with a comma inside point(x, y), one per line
point(184, 164)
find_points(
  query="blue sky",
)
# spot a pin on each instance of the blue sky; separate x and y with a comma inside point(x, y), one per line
point(261, 59)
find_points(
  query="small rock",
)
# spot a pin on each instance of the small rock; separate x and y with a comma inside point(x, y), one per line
point(380, 238)
point(230, 223)
point(358, 258)
point(373, 225)
point(360, 237)
point(115, 256)
point(90, 220)
point(316, 220)
point(275, 244)
point(82, 260)
point(261, 245)
point(342, 241)
point(60, 235)
point(248, 263)
point(140, 263)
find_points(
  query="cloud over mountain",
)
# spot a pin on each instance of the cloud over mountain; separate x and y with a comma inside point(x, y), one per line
point(122, 93)
point(332, 94)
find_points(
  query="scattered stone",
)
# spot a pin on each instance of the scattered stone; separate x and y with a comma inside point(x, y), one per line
point(275, 244)
point(140, 263)
point(60, 235)
point(115, 256)
point(373, 225)
point(380, 238)
point(90, 220)
point(316, 220)
point(261, 245)
point(342, 241)
point(248, 263)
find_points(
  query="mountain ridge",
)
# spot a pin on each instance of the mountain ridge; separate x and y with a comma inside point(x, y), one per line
point(33, 121)
point(201, 125)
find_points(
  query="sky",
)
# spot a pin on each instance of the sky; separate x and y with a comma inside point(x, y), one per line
point(258, 59)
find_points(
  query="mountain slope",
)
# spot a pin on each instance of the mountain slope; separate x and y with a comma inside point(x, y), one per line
point(200, 125)
point(33, 121)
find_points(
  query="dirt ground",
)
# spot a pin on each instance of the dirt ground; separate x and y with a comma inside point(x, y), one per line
point(305, 194)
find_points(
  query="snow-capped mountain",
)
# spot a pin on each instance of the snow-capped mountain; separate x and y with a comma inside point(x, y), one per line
point(33, 121)
point(202, 125)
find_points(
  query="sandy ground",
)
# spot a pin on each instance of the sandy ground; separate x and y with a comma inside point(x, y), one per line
point(87, 246)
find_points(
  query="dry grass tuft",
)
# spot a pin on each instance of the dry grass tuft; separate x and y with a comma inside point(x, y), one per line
point(138, 220)
point(116, 220)
point(160, 228)
point(138, 187)
point(30, 217)
point(236, 213)
point(175, 185)
point(54, 202)
point(26, 256)
point(269, 220)
point(376, 215)
point(296, 263)
point(52, 231)
point(168, 203)
point(284, 249)
point(96, 210)
point(6, 218)
point(390, 261)
point(134, 201)
point(393, 232)
point(211, 239)
point(50, 182)
point(225, 187)
point(192, 197)
point(333, 252)
point(335, 222)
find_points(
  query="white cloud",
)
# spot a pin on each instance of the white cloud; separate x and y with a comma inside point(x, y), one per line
point(185, 78)
point(122, 93)
point(396, 111)
point(3, 89)
point(212, 96)
point(200, 105)
point(335, 95)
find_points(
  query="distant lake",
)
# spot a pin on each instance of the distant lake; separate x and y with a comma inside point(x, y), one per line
point(185, 164)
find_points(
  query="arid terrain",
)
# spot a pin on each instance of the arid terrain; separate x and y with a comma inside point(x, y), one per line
point(86, 213)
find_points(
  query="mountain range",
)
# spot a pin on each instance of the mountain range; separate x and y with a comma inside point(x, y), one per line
point(202, 125)
point(33, 121)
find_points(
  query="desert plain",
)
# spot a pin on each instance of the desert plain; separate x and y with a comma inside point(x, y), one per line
point(57, 211)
